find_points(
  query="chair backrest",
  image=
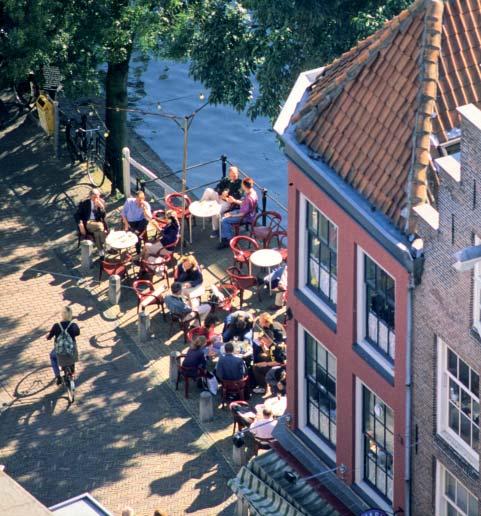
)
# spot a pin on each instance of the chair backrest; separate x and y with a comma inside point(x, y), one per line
point(278, 239)
point(241, 281)
point(112, 267)
point(143, 287)
point(195, 332)
point(273, 220)
point(173, 245)
point(240, 244)
point(174, 202)
point(235, 385)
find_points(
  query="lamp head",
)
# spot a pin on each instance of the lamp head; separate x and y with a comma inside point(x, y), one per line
point(201, 96)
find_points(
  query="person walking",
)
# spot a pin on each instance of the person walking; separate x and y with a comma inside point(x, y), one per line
point(65, 352)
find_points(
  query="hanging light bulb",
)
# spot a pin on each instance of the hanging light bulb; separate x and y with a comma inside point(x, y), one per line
point(201, 96)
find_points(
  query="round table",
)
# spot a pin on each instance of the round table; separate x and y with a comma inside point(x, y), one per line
point(206, 209)
point(267, 258)
point(242, 348)
point(121, 240)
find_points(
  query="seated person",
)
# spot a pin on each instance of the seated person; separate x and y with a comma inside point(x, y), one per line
point(238, 325)
point(278, 279)
point(208, 329)
point(188, 273)
point(177, 304)
point(245, 214)
point(195, 356)
point(263, 428)
point(230, 186)
point(276, 379)
point(136, 215)
point(169, 235)
point(267, 355)
point(230, 367)
point(273, 329)
point(90, 216)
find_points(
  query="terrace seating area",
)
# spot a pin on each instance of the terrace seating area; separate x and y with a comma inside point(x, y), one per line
point(220, 309)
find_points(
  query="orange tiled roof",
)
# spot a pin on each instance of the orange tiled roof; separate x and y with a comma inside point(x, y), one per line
point(372, 114)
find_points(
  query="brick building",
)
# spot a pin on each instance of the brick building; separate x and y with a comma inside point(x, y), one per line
point(383, 360)
point(384, 346)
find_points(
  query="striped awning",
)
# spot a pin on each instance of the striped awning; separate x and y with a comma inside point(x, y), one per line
point(262, 485)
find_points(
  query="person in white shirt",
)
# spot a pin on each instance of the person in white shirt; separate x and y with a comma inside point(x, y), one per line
point(263, 428)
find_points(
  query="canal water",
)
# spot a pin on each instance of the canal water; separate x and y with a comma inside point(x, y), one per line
point(216, 130)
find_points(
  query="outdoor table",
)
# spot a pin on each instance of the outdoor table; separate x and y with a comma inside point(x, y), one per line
point(204, 210)
point(277, 406)
point(194, 292)
point(121, 240)
point(242, 348)
point(267, 258)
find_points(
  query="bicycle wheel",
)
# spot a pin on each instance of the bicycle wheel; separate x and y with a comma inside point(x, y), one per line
point(96, 178)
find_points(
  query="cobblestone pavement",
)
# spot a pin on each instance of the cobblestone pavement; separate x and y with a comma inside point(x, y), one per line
point(127, 439)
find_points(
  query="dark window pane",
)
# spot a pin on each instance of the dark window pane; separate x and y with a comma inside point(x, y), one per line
point(452, 363)
point(332, 236)
point(466, 403)
point(464, 373)
point(324, 229)
point(474, 383)
point(453, 418)
point(466, 429)
point(450, 486)
point(370, 271)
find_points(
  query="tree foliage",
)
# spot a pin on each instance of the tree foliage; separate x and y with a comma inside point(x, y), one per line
point(248, 53)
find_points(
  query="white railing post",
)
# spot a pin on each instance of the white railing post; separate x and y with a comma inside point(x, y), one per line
point(56, 129)
point(126, 170)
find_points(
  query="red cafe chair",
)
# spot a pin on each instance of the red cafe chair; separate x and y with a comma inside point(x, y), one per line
point(117, 266)
point(242, 247)
point(148, 295)
point(262, 232)
point(278, 241)
point(242, 282)
point(231, 389)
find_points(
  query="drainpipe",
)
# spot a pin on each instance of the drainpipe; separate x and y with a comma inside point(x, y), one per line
point(407, 441)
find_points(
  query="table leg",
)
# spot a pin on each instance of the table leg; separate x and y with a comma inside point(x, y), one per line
point(220, 229)
point(190, 229)
point(270, 281)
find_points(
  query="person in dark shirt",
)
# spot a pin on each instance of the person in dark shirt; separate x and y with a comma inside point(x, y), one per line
point(229, 366)
point(188, 273)
point(238, 325)
point(90, 217)
point(73, 330)
point(230, 186)
point(195, 356)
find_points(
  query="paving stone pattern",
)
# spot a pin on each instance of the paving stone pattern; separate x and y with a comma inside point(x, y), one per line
point(127, 439)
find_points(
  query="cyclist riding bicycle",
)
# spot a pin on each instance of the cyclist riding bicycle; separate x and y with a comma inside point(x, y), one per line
point(64, 352)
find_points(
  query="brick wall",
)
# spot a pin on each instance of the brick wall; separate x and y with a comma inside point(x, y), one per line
point(443, 308)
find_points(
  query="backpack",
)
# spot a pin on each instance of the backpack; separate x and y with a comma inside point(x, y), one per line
point(64, 343)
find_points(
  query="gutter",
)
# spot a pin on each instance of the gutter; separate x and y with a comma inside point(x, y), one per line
point(408, 397)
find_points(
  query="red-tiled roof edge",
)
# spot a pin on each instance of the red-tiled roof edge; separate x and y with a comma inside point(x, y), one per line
point(417, 185)
point(372, 45)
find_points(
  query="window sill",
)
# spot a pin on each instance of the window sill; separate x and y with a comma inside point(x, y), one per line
point(375, 360)
point(315, 305)
point(371, 497)
point(324, 449)
point(457, 448)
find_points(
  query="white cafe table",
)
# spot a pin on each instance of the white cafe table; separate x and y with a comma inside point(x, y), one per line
point(205, 210)
point(194, 292)
point(267, 258)
point(121, 240)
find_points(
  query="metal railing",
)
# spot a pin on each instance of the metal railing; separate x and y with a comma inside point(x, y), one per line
point(265, 197)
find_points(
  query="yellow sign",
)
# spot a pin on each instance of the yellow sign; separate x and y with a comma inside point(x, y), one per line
point(46, 114)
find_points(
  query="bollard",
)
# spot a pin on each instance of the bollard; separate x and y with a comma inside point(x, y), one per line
point(86, 248)
point(143, 326)
point(239, 455)
point(206, 407)
point(114, 289)
point(173, 367)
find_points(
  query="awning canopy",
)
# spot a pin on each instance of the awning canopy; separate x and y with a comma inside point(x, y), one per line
point(262, 485)
point(467, 258)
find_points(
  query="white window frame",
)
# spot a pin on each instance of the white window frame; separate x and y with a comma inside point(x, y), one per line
point(302, 395)
point(302, 259)
point(442, 423)
point(380, 502)
point(361, 329)
point(477, 291)
point(440, 490)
